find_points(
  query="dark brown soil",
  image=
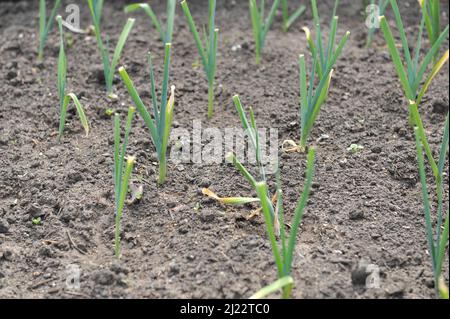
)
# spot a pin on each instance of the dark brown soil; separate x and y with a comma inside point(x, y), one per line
point(365, 207)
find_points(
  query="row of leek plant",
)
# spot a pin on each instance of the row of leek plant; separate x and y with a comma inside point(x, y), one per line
point(324, 57)
point(415, 85)
point(282, 249)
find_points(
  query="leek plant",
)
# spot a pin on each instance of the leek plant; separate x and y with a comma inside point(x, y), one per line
point(274, 216)
point(206, 49)
point(412, 77)
point(166, 35)
point(109, 67)
point(261, 24)
point(323, 53)
point(64, 98)
point(324, 58)
point(121, 176)
point(45, 25)
point(160, 125)
point(437, 240)
point(372, 15)
point(288, 20)
point(432, 12)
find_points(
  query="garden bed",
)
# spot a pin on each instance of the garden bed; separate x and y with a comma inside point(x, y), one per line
point(364, 207)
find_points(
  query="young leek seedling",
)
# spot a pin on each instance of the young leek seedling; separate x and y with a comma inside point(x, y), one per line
point(432, 12)
point(109, 67)
point(64, 99)
point(121, 177)
point(288, 20)
point(274, 216)
point(437, 240)
point(261, 24)
point(166, 35)
point(206, 49)
point(375, 12)
point(45, 25)
point(412, 77)
point(161, 124)
point(324, 58)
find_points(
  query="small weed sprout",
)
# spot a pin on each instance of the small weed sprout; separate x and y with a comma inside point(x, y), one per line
point(166, 35)
point(64, 98)
point(161, 124)
point(109, 67)
point(45, 25)
point(207, 49)
point(121, 177)
point(261, 24)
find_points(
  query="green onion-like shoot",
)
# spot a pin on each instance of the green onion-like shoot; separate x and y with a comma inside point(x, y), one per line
point(288, 20)
point(324, 58)
point(121, 177)
point(412, 77)
point(432, 12)
point(382, 4)
point(160, 125)
point(64, 99)
point(109, 67)
point(437, 240)
point(45, 25)
point(261, 24)
point(166, 35)
point(207, 49)
point(274, 216)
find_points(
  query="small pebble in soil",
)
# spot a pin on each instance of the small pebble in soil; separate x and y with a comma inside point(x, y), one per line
point(204, 182)
point(11, 75)
point(46, 251)
point(207, 216)
point(356, 215)
point(376, 149)
point(440, 106)
point(35, 211)
point(6, 255)
point(4, 139)
point(117, 268)
point(173, 269)
point(4, 226)
point(97, 74)
point(361, 272)
point(395, 290)
point(236, 47)
point(183, 229)
point(104, 277)
point(323, 137)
